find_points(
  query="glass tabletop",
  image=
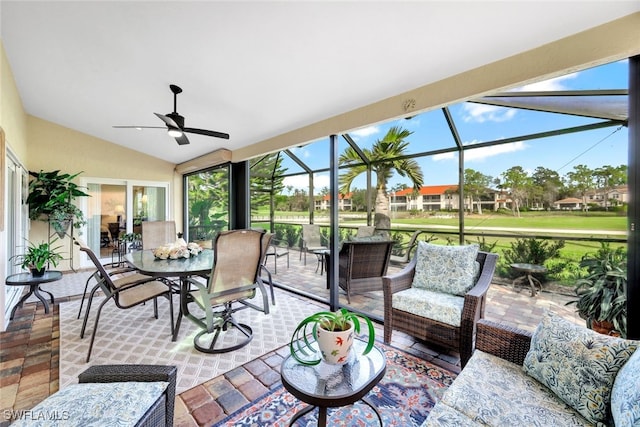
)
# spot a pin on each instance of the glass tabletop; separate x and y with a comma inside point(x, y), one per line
point(22, 279)
point(325, 383)
point(146, 263)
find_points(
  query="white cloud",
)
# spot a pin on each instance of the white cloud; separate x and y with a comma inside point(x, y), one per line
point(547, 85)
point(481, 154)
point(301, 182)
point(301, 152)
point(363, 132)
point(481, 113)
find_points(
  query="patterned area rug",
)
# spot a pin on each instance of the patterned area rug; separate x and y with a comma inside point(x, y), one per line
point(404, 397)
point(135, 336)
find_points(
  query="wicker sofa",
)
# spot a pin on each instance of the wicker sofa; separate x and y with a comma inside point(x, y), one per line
point(140, 395)
point(495, 389)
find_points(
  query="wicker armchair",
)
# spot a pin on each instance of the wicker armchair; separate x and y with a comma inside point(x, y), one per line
point(362, 265)
point(459, 338)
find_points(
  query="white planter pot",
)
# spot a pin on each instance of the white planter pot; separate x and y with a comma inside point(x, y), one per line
point(335, 346)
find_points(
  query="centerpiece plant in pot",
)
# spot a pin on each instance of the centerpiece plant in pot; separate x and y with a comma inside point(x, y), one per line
point(329, 336)
point(601, 294)
point(37, 257)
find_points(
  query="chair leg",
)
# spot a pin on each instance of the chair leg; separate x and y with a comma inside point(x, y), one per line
point(86, 286)
point(95, 327)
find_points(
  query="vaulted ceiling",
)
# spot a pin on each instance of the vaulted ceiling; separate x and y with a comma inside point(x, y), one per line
point(257, 70)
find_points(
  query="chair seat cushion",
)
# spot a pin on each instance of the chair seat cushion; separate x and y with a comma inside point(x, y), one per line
point(450, 269)
point(493, 391)
point(96, 404)
point(579, 365)
point(443, 307)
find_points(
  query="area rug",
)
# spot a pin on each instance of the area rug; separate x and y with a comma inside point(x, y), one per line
point(135, 336)
point(404, 397)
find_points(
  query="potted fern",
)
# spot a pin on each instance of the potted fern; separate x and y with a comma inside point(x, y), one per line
point(37, 257)
point(329, 336)
point(601, 294)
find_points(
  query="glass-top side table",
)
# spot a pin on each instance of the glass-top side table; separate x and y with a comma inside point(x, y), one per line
point(327, 386)
point(34, 282)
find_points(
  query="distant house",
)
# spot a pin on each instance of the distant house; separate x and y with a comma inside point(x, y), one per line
point(344, 202)
point(614, 197)
point(568, 204)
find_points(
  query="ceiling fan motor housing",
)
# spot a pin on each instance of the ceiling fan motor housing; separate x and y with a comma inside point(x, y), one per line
point(178, 119)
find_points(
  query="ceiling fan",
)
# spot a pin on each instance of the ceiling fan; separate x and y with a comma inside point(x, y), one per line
point(175, 123)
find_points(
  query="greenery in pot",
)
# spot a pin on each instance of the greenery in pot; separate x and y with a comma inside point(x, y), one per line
point(38, 256)
point(601, 295)
point(303, 345)
point(51, 197)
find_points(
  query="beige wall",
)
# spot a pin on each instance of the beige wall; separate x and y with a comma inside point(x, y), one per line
point(12, 117)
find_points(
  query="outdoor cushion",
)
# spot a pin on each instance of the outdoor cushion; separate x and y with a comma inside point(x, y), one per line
point(95, 404)
point(577, 364)
point(443, 307)
point(493, 391)
point(625, 395)
point(449, 269)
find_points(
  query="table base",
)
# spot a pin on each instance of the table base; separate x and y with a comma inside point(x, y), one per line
point(534, 283)
point(33, 290)
point(322, 413)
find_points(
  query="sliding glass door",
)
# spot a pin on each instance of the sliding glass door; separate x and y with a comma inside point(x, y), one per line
point(117, 207)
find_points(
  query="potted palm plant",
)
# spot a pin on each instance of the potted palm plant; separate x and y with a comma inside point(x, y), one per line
point(51, 198)
point(601, 294)
point(37, 257)
point(329, 336)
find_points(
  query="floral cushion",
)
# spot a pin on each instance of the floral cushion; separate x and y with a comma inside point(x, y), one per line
point(625, 395)
point(495, 392)
point(449, 269)
point(445, 308)
point(95, 404)
point(577, 364)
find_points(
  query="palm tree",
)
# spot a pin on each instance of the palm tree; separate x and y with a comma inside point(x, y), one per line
point(386, 156)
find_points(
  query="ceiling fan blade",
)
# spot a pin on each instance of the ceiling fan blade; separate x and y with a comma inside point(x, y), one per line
point(182, 139)
point(139, 127)
point(168, 120)
point(207, 132)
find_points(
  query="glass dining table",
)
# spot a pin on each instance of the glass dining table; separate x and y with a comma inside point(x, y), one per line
point(146, 263)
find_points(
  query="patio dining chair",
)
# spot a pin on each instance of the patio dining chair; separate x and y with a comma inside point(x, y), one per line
point(233, 281)
point(126, 292)
point(406, 249)
point(158, 233)
point(311, 240)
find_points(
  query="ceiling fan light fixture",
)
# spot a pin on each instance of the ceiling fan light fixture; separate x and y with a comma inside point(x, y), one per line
point(174, 132)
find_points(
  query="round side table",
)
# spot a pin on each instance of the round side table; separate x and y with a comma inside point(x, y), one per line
point(34, 282)
point(529, 270)
point(325, 386)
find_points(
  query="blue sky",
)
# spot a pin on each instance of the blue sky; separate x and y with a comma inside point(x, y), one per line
point(478, 123)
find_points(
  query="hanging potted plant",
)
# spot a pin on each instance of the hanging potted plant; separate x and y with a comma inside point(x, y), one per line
point(37, 257)
point(329, 336)
point(51, 198)
point(601, 295)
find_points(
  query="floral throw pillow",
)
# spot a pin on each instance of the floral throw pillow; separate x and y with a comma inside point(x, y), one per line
point(577, 364)
point(448, 269)
point(625, 396)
